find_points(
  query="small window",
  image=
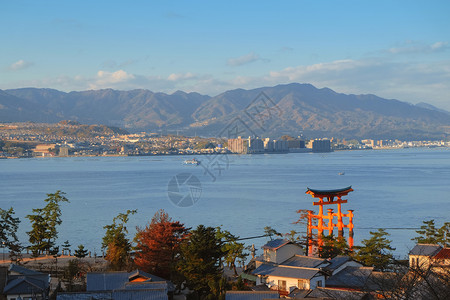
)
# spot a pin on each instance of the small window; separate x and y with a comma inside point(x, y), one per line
point(302, 284)
point(319, 283)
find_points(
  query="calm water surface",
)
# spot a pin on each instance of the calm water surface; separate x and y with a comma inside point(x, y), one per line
point(393, 189)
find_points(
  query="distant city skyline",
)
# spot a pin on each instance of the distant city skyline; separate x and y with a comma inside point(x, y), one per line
point(394, 49)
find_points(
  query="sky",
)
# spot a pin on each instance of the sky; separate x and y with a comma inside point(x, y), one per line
point(394, 49)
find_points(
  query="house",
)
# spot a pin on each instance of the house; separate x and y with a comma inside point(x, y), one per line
point(123, 285)
point(23, 283)
point(286, 278)
point(421, 255)
point(279, 250)
point(441, 261)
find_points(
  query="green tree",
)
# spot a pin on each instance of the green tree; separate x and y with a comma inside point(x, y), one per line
point(332, 246)
point(80, 252)
point(232, 249)
point(44, 221)
point(66, 247)
point(376, 251)
point(8, 228)
point(199, 264)
point(430, 234)
point(269, 231)
point(116, 243)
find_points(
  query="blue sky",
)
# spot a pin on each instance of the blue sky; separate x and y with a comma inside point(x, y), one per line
point(394, 49)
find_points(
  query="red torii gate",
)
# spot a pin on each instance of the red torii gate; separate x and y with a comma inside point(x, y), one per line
point(321, 217)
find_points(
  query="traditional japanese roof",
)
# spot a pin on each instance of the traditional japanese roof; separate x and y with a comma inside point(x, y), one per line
point(329, 293)
point(22, 270)
point(124, 280)
point(337, 262)
point(336, 192)
point(116, 295)
point(443, 254)
point(26, 285)
point(298, 293)
point(350, 277)
point(304, 261)
point(425, 249)
point(251, 295)
point(275, 244)
point(286, 271)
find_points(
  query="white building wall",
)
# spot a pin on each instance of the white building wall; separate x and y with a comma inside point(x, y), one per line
point(286, 252)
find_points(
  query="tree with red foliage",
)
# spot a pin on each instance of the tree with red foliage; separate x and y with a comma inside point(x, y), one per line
point(158, 245)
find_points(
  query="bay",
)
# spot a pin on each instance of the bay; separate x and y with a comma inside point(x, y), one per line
point(395, 189)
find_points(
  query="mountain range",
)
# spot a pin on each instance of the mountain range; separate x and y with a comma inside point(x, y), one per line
point(294, 109)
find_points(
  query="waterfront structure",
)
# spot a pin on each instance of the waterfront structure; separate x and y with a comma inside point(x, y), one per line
point(325, 221)
point(323, 145)
point(238, 145)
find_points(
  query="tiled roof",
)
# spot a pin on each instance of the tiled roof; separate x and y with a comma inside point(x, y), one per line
point(285, 271)
point(247, 295)
point(338, 261)
point(275, 244)
point(327, 293)
point(425, 249)
point(121, 280)
point(22, 270)
point(351, 277)
point(443, 254)
point(116, 295)
point(304, 261)
point(26, 285)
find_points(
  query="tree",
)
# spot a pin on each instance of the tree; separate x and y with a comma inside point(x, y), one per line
point(44, 222)
point(269, 231)
point(200, 259)
point(117, 245)
point(376, 251)
point(80, 252)
point(158, 245)
point(429, 234)
point(232, 249)
point(332, 247)
point(66, 247)
point(8, 233)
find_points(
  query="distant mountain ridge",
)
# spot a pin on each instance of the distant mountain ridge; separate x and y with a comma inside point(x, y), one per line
point(303, 109)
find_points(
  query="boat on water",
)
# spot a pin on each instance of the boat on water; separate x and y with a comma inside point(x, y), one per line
point(341, 173)
point(192, 162)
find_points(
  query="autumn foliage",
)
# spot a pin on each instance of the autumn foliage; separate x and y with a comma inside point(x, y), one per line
point(158, 245)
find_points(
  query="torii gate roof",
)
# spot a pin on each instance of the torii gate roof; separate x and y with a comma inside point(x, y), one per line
point(326, 193)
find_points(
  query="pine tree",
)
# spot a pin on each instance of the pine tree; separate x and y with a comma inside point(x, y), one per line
point(44, 222)
point(376, 251)
point(8, 233)
point(117, 245)
point(201, 255)
point(81, 252)
point(332, 247)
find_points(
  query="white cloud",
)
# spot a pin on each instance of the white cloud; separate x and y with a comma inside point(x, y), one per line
point(244, 59)
point(181, 76)
point(106, 79)
point(409, 81)
point(20, 65)
point(412, 47)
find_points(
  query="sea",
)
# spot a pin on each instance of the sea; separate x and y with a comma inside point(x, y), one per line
point(393, 189)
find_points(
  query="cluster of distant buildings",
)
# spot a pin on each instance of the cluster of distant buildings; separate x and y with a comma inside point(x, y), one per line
point(255, 145)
